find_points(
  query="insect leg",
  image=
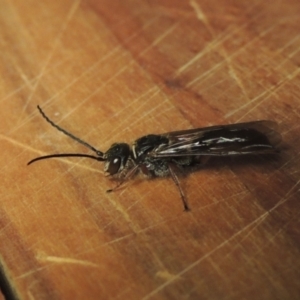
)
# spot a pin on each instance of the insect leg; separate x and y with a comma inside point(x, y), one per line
point(127, 176)
point(176, 181)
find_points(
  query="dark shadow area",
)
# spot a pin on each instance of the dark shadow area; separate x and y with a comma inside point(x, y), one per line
point(6, 287)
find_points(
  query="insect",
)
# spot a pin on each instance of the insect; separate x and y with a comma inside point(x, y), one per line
point(164, 154)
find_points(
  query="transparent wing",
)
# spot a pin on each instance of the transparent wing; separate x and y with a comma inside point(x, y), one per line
point(234, 139)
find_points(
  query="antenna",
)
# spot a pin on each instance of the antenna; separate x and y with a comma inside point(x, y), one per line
point(99, 157)
point(65, 155)
point(98, 152)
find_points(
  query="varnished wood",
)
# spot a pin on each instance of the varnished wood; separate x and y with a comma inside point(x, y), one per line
point(116, 70)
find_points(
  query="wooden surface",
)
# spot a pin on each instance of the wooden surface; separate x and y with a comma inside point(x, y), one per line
point(116, 70)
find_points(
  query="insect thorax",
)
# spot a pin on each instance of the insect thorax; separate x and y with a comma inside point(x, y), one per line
point(156, 167)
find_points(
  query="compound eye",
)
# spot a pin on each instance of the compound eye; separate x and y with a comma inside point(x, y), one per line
point(114, 166)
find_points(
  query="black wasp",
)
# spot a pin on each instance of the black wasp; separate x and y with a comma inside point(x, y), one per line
point(163, 154)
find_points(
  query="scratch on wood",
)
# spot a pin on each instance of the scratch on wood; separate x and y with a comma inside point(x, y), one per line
point(136, 109)
point(201, 16)
point(251, 102)
point(73, 82)
point(199, 13)
point(209, 47)
point(123, 212)
point(256, 223)
point(28, 83)
point(25, 147)
point(30, 288)
point(30, 296)
point(94, 66)
point(158, 39)
point(165, 275)
point(57, 64)
point(164, 34)
point(163, 221)
point(65, 260)
point(149, 112)
point(112, 77)
point(197, 262)
point(135, 101)
point(29, 273)
point(218, 42)
point(14, 142)
point(288, 195)
point(289, 56)
point(51, 53)
point(271, 91)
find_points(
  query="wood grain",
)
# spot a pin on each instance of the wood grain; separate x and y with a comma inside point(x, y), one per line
point(114, 71)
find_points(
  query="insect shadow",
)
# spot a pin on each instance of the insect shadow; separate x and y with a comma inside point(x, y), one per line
point(160, 155)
